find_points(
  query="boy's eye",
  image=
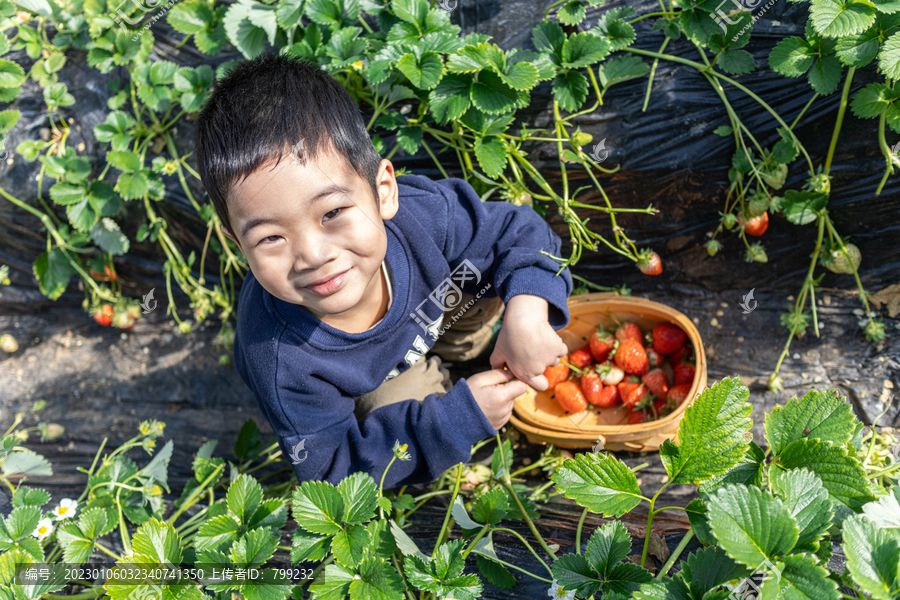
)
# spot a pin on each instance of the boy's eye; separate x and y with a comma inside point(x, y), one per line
point(267, 238)
point(331, 214)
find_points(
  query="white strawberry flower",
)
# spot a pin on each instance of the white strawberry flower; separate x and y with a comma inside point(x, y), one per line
point(44, 529)
point(66, 509)
point(558, 592)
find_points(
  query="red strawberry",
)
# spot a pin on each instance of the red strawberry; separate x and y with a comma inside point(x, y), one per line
point(556, 374)
point(591, 386)
point(684, 373)
point(681, 355)
point(610, 374)
point(104, 315)
point(678, 393)
point(649, 262)
point(663, 407)
point(668, 338)
point(632, 358)
point(609, 396)
point(569, 396)
point(632, 392)
point(629, 331)
point(655, 357)
point(601, 343)
point(757, 225)
point(657, 382)
point(582, 357)
point(636, 417)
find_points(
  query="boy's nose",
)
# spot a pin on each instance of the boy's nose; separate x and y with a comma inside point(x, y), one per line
point(313, 253)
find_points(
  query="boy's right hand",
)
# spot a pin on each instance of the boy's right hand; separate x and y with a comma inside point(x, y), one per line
point(494, 395)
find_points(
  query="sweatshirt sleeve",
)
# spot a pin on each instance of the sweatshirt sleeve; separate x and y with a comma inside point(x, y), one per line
point(504, 242)
point(335, 444)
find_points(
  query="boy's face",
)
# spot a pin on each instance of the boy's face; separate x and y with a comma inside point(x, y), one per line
point(318, 239)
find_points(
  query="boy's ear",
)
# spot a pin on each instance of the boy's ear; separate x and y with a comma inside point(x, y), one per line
point(227, 234)
point(388, 192)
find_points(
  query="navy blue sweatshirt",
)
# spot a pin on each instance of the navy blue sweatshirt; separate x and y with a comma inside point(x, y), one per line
point(305, 373)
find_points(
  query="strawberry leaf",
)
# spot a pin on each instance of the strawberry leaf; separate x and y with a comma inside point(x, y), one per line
point(837, 18)
point(841, 473)
point(889, 57)
point(885, 512)
point(359, 495)
point(807, 500)
point(801, 208)
point(712, 434)
point(664, 589)
point(600, 483)
point(707, 569)
point(751, 524)
point(798, 577)
point(873, 557)
point(491, 508)
point(820, 415)
point(608, 546)
point(318, 507)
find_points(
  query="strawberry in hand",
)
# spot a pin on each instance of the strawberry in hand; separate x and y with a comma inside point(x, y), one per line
point(582, 357)
point(570, 397)
point(556, 374)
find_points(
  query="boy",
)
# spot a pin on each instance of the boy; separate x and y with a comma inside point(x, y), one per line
point(351, 272)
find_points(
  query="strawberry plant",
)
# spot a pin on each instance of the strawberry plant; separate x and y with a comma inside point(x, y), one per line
point(408, 67)
point(776, 513)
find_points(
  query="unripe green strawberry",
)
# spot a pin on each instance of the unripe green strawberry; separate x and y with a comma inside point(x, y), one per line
point(756, 253)
point(729, 220)
point(122, 320)
point(774, 175)
point(841, 264)
point(580, 138)
point(713, 246)
point(134, 310)
point(757, 205)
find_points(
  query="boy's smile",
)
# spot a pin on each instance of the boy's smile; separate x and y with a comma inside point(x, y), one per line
point(313, 236)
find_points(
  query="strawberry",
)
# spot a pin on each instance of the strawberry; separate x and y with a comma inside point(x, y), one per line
point(636, 417)
point(663, 407)
point(556, 374)
point(610, 374)
point(654, 357)
point(649, 262)
point(601, 343)
point(570, 397)
point(629, 331)
point(632, 392)
point(632, 358)
point(134, 310)
point(110, 273)
point(104, 315)
point(681, 355)
point(582, 357)
point(678, 393)
point(757, 225)
point(684, 373)
point(608, 397)
point(591, 386)
point(122, 320)
point(668, 338)
point(657, 382)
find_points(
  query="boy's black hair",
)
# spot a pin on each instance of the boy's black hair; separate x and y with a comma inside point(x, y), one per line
point(268, 104)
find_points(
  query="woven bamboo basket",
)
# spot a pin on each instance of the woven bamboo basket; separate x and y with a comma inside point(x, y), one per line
point(542, 420)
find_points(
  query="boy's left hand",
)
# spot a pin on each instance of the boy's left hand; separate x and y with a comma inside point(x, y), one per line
point(527, 344)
